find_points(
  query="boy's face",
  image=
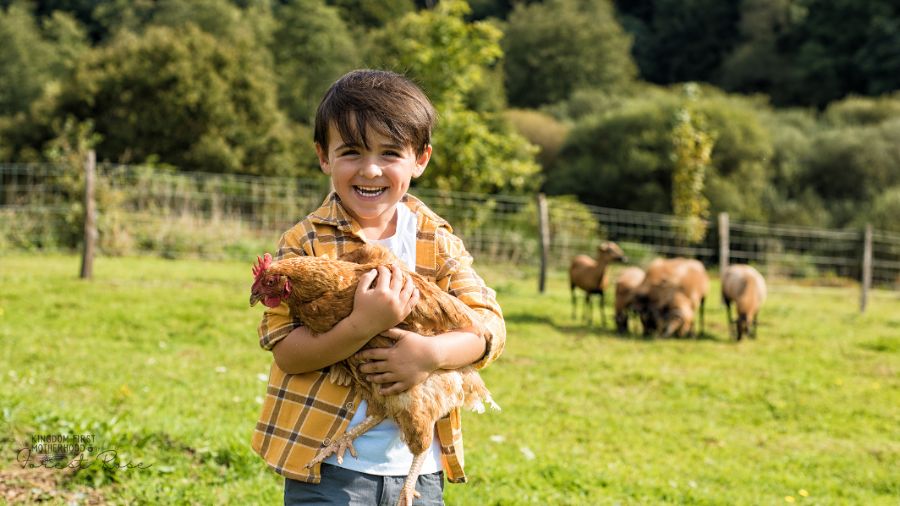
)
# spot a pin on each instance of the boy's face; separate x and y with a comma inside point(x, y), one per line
point(371, 181)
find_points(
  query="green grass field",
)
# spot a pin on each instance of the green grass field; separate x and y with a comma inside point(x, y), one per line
point(159, 361)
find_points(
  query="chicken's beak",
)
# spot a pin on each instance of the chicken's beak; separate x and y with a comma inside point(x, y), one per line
point(254, 298)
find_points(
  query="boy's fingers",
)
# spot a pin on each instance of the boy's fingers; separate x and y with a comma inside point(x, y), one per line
point(373, 367)
point(385, 377)
point(397, 278)
point(408, 287)
point(393, 333)
point(373, 353)
point(365, 280)
point(384, 278)
point(413, 300)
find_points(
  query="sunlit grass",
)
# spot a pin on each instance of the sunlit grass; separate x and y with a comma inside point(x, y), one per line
point(158, 359)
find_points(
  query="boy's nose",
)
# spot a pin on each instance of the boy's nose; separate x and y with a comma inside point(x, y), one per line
point(370, 169)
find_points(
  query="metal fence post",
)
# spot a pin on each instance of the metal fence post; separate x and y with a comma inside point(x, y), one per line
point(866, 268)
point(724, 252)
point(90, 218)
point(544, 231)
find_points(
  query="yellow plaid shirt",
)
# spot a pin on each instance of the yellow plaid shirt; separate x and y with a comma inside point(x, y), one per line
point(302, 413)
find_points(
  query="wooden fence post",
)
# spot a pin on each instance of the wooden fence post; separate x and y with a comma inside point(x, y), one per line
point(90, 217)
point(724, 252)
point(866, 268)
point(544, 231)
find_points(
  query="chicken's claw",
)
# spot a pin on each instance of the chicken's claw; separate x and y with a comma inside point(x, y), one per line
point(408, 495)
point(339, 446)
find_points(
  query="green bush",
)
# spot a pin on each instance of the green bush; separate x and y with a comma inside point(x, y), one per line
point(622, 158)
point(885, 214)
point(861, 111)
point(182, 97)
point(850, 166)
point(556, 47)
point(542, 130)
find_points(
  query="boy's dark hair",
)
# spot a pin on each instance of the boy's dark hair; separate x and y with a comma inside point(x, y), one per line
point(386, 101)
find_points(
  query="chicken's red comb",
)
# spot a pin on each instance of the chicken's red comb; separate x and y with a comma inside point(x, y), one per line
point(262, 264)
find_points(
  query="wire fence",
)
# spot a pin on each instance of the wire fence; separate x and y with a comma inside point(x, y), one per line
point(174, 214)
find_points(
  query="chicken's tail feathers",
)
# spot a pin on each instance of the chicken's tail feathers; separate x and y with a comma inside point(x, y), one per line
point(479, 406)
point(476, 393)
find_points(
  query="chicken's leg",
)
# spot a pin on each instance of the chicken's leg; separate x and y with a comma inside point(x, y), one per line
point(345, 442)
point(408, 493)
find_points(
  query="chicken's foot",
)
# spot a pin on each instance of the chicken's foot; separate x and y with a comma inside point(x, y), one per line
point(345, 442)
point(408, 493)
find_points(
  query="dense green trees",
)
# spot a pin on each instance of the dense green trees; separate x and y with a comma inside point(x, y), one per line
point(595, 86)
point(626, 156)
point(312, 47)
point(799, 52)
point(32, 56)
point(449, 57)
point(680, 40)
point(559, 46)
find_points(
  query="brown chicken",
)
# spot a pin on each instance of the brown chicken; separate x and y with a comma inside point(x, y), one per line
point(320, 292)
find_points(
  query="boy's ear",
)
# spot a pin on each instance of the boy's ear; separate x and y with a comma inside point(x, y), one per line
point(422, 161)
point(323, 159)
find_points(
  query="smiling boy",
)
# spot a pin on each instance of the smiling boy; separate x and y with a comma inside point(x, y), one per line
point(373, 136)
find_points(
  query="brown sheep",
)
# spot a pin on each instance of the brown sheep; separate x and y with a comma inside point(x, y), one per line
point(670, 296)
point(745, 286)
point(626, 289)
point(590, 275)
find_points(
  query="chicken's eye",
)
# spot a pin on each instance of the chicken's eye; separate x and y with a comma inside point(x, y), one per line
point(270, 282)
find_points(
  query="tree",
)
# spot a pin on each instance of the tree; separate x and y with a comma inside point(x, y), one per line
point(850, 167)
point(182, 97)
point(692, 147)
point(31, 57)
point(219, 18)
point(623, 157)
point(368, 14)
point(757, 65)
point(446, 55)
point(478, 153)
point(449, 57)
point(839, 47)
point(555, 48)
point(886, 209)
point(680, 40)
point(312, 47)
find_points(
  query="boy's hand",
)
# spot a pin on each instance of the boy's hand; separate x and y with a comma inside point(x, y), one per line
point(384, 304)
point(402, 366)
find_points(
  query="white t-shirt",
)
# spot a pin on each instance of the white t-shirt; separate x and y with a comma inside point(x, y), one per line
point(381, 451)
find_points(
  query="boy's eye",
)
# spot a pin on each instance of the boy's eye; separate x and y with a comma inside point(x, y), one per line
point(391, 153)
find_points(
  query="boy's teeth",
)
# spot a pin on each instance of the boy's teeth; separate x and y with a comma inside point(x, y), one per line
point(370, 190)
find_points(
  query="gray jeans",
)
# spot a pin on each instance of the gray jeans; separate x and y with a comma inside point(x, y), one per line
point(341, 486)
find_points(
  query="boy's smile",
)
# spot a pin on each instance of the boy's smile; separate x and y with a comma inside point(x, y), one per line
point(371, 180)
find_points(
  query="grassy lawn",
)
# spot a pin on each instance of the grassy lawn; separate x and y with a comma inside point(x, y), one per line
point(159, 361)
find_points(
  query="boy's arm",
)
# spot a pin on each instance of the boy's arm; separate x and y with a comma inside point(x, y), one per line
point(456, 276)
point(413, 357)
point(375, 308)
point(296, 349)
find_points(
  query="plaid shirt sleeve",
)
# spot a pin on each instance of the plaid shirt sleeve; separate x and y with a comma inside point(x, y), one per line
point(277, 322)
point(456, 276)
